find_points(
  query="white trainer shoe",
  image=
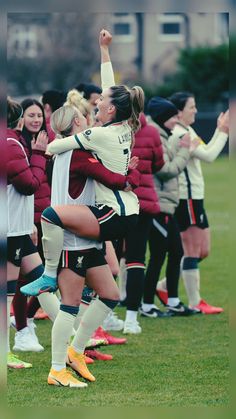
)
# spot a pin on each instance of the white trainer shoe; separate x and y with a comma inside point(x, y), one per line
point(30, 323)
point(112, 322)
point(25, 340)
point(32, 326)
point(132, 327)
point(13, 322)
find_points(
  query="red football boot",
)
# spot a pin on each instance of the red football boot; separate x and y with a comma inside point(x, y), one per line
point(94, 354)
point(112, 340)
point(206, 308)
point(87, 359)
point(40, 314)
point(162, 295)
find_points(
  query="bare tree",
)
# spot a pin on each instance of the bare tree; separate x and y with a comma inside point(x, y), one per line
point(66, 52)
point(76, 48)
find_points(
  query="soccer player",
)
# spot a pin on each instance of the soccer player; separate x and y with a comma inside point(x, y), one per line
point(191, 214)
point(164, 239)
point(80, 257)
point(115, 212)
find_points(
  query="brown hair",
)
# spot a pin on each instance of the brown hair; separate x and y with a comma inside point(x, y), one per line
point(179, 99)
point(14, 113)
point(128, 103)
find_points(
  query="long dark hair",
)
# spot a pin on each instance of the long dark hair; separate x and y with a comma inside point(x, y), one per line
point(179, 99)
point(25, 104)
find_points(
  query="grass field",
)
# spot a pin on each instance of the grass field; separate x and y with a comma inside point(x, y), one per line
point(175, 362)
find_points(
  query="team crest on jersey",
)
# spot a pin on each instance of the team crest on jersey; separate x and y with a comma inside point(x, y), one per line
point(87, 133)
point(79, 262)
point(17, 255)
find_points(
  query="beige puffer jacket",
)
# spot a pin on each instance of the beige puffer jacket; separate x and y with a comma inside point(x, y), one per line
point(166, 180)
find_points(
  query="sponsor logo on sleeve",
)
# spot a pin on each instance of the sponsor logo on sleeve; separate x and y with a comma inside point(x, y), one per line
point(87, 133)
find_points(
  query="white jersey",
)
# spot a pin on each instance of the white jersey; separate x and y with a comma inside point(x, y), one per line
point(191, 182)
point(60, 196)
point(20, 208)
point(111, 145)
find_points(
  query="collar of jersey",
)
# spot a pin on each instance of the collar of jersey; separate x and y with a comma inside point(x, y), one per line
point(183, 126)
point(113, 123)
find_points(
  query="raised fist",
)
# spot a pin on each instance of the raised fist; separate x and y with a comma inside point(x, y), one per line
point(105, 38)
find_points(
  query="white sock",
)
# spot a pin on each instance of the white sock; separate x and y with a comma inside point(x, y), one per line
point(172, 302)
point(9, 301)
point(122, 279)
point(162, 284)
point(50, 304)
point(131, 316)
point(191, 279)
point(82, 309)
point(181, 266)
point(49, 272)
point(147, 307)
point(91, 320)
point(58, 294)
point(52, 240)
point(61, 334)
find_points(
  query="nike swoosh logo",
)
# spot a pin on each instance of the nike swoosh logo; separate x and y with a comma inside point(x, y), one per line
point(60, 384)
point(45, 290)
point(71, 364)
point(178, 310)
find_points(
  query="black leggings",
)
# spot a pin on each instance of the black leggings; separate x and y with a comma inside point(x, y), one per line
point(136, 244)
point(164, 239)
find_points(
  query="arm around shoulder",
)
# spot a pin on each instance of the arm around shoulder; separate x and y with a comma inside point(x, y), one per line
point(87, 165)
point(61, 145)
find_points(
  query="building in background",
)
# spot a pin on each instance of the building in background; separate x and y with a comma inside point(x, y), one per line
point(28, 35)
point(145, 45)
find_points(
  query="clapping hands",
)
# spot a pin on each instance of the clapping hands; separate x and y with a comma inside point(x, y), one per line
point(223, 122)
point(41, 142)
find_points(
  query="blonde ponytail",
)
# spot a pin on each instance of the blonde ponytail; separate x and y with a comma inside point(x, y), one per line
point(62, 120)
point(76, 99)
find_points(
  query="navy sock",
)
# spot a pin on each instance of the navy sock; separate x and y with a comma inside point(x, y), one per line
point(109, 303)
point(190, 263)
point(34, 274)
point(11, 287)
point(69, 309)
point(50, 215)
